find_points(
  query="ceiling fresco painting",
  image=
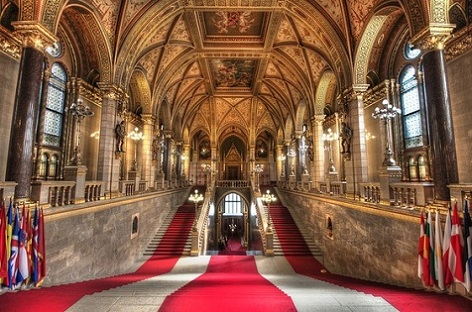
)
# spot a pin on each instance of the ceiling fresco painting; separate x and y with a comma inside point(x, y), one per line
point(233, 73)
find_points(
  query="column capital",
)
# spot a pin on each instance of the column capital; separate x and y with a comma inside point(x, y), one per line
point(115, 93)
point(33, 35)
point(433, 36)
point(317, 119)
point(148, 119)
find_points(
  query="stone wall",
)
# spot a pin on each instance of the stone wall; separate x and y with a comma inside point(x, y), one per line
point(460, 84)
point(94, 239)
point(366, 242)
point(9, 78)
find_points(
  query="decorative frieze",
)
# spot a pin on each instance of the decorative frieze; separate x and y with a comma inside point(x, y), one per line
point(33, 35)
point(9, 44)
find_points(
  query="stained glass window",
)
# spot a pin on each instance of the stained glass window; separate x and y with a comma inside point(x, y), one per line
point(409, 97)
point(56, 97)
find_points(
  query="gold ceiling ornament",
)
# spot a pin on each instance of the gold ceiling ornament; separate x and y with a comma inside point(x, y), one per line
point(433, 37)
point(33, 35)
point(459, 44)
point(9, 44)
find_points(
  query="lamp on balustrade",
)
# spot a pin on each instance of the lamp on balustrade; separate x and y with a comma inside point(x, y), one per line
point(387, 113)
point(78, 112)
point(268, 198)
point(329, 137)
point(136, 136)
point(196, 198)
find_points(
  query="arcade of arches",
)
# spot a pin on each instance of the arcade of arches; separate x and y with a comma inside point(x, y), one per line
point(336, 103)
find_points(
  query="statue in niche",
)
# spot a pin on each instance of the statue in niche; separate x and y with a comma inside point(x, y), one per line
point(346, 136)
point(120, 133)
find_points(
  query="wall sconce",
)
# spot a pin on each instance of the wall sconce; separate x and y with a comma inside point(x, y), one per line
point(329, 137)
point(387, 113)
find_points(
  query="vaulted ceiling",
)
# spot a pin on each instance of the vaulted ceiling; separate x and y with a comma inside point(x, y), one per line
point(222, 64)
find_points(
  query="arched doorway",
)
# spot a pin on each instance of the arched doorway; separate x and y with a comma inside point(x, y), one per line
point(233, 227)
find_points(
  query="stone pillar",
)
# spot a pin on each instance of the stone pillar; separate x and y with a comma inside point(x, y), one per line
point(298, 153)
point(109, 161)
point(441, 134)
point(23, 131)
point(318, 168)
point(280, 162)
point(147, 167)
point(76, 174)
point(356, 166)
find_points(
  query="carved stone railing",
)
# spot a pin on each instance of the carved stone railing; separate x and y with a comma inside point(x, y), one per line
point(7, 189)
point(53, 193)
point(93, 190)
point(127, 187)
point(370, 192)
point(232, 183)
point(411, 194)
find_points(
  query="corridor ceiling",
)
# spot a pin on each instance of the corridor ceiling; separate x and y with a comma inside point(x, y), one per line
point(223, 65)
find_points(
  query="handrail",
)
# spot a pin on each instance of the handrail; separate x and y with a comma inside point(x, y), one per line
point(199, 230)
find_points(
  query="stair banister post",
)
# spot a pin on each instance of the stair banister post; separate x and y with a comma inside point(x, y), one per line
point(195, 250)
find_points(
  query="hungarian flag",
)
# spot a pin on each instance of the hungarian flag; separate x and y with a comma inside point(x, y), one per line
point(13, 261)
point(445, 247)
point(23, 265)
point(438, 238)
point(421, 247)
point(467, 261)
point(428, 253)
point(456, 269)
point(3, 243)
point(39, 248)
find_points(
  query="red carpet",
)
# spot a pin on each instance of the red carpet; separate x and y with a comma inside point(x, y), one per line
point(401, 298)
point(234, 248)
point(231, 283)
point(59, 298)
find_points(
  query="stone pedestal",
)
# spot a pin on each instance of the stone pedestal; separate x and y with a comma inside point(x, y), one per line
point(76, 174)
point(159, 182)
point(388, 175)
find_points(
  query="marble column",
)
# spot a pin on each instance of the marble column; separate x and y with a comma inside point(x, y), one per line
point(444, 158)
point(34, 38)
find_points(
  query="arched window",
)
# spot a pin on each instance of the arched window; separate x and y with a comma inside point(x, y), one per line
point(52, 167)
point(55, 102)
point(411, 114)
point(233, 204)
point(43, 166)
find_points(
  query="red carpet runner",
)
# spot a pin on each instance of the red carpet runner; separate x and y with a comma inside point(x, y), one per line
point(403, 299)
point(231, 283)
point(59, 298)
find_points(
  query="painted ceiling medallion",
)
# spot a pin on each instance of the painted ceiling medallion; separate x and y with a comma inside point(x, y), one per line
point(240, 21)
point(233, 73)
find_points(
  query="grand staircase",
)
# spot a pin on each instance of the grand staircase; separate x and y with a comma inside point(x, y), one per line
point(288, 239)
point(173, 237)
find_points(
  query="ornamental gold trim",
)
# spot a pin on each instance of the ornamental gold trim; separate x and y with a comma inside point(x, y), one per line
point(9, 44)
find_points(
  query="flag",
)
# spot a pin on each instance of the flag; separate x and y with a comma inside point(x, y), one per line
point(428, 253)
point(438, 238)
point(3, 243)
point(445, 249)
point(421, 247)
point(13, 261)
point(29, 244)
point(9, 231)
point(39, 250)
point(455, 250)
point(23, 269)
point(467, 261)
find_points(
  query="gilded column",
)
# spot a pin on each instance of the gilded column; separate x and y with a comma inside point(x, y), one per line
point(34, 38)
